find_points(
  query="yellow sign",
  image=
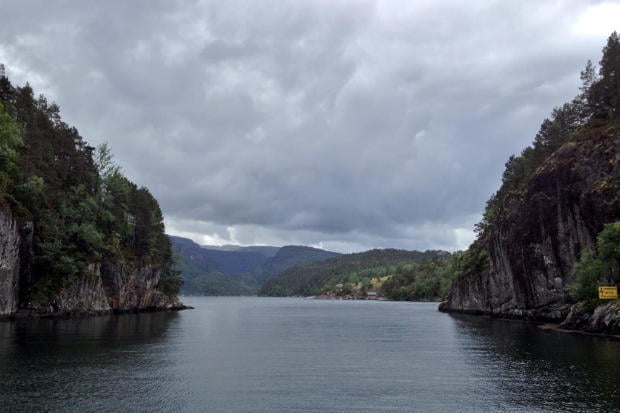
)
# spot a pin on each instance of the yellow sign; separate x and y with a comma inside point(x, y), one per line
point(607, 293)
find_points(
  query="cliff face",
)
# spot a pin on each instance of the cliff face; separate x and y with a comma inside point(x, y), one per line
point(540, 233)
point(106, 287)
point(10, 241)
point(128, 288)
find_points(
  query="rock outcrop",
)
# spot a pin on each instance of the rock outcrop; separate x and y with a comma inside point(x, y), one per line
point(604, 319)
point(128, 287)
point(104, 288)
point(541, 232)
point(10, 241)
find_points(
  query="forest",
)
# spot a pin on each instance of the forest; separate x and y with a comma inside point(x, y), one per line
point(355, 274)
point(73, 199)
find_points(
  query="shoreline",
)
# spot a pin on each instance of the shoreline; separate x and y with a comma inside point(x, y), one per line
point(33, 315)
point(348, 298)
point(556, 327)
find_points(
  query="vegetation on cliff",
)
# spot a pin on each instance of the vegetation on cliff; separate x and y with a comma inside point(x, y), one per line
point(82, 207)
point(539, 229)
point(597, 106)
point(598, 267)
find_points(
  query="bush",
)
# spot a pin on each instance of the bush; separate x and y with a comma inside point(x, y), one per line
point(593, 269)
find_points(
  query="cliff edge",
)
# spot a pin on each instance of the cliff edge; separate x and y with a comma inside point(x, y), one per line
point(551, 234)
point(540, 233)
point(76, 236)
point(104, 288)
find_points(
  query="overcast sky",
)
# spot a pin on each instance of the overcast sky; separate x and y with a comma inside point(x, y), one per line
point(347, 125)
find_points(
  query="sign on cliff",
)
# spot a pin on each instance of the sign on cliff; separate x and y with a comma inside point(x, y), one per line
point(607, 293)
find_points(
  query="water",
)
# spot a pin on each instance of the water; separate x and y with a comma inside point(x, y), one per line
point(294, 355)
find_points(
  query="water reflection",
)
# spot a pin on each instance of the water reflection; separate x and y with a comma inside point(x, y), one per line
point(66, 365)
point(550, 370)
point(247, 355)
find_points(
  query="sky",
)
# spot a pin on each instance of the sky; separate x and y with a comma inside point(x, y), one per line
point(345, 125)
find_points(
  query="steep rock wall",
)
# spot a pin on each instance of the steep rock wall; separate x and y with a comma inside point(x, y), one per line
point(10, 241)
point(104, 288)
point(540, 233)
point(84, 295)
point(133, 287)
point(110, 287)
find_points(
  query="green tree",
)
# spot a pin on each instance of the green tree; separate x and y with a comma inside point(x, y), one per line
point(608, 86)
point(594, 269)
point(10, 141)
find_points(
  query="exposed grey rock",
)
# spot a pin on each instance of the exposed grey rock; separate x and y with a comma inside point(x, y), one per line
point(540, 234)
point(103, 288)
point(133, 287)
point(10, 241)
point(604, 319)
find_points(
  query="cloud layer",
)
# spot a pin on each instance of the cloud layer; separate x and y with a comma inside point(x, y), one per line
point(343, 124)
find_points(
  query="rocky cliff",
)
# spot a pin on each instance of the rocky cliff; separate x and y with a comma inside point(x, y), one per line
point(104, 288)
point(10, 241)
point(76, 236)
point(540, 233)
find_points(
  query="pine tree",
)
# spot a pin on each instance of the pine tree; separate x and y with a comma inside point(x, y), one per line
point(603, 95)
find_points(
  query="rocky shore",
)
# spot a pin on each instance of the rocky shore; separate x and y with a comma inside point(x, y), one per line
point(106, 287)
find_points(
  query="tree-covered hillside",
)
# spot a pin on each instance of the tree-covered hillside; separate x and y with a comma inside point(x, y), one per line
point(319, 277)
point(201, 274)
point(236, 270)
point(286, 257)
point(82, 208)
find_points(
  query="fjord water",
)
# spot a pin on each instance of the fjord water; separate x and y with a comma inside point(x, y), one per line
point(294, 355)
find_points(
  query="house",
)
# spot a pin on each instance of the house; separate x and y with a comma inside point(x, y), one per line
point(371, 295)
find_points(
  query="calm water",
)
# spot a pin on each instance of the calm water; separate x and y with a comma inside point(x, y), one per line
point(293, 355)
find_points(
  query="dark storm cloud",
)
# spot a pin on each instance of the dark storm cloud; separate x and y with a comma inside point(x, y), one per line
point(346, 124)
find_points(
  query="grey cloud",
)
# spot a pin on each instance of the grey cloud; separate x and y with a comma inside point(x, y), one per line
point(351, 124)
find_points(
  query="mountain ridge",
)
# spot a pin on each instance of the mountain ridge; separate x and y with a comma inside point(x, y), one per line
point(239, 271)
point(309, 279)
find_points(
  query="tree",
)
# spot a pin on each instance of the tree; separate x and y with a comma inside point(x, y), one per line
point(609, 83)
point(10, 141)
point(594, 269)
point(603, 92)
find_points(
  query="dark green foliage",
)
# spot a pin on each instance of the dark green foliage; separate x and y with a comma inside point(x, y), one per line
point(170, 280)
point(602, 268)
point(313, 278)
point(213, 283)
point(593, 112)
point(286, 257)
point(79, 201)
point(10, 142)
point(604, 93)
point(201, 273)
point(608, 246)
point(599, 99)
point(429, 280)
point(236, 262)
point(213, 271)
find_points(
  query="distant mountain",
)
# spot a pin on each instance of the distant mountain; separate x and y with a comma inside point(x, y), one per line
point(201, 274)
point(192, 253)
point(235, 263)
point(310, 279)
point(235, 270)
point(266, 250)
point(286, 257)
